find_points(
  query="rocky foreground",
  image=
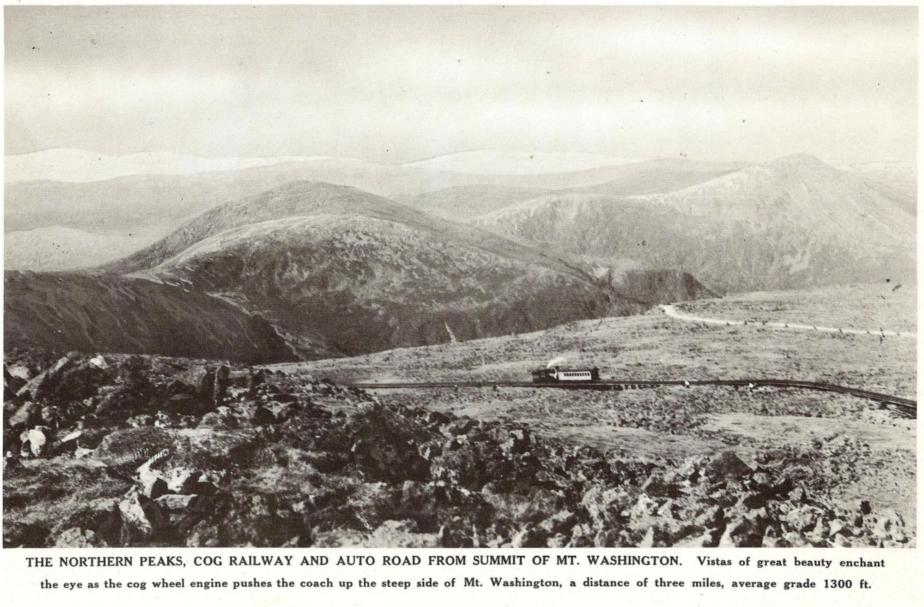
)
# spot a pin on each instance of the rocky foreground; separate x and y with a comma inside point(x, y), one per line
point(114, 450)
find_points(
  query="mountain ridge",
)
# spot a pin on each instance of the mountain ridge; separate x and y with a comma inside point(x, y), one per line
point(789, 223)
point(341, 270)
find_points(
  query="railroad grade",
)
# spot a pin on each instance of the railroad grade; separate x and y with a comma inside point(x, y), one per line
point(904, 406)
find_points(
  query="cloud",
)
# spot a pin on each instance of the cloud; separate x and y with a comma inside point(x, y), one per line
point(402, 83)
point(51, 91)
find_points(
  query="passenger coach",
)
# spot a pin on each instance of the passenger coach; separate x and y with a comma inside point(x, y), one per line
point(556, 374)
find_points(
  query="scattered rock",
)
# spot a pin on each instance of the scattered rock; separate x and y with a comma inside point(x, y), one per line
point(657, 486)
point(726, 466)
point(747, 531)
point(182, 480)
point(262, 459)
point(42, 385)
point(34, 442)
point(75, 537)
point(141, 517)
point(28, 414)
point(262, 416)
point(184, 503)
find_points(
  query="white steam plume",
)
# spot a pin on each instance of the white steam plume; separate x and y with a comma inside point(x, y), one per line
point(558, 360)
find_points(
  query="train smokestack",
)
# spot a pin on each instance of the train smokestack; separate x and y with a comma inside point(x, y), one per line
point(558, 360)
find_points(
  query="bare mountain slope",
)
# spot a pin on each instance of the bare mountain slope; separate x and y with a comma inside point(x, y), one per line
point(140, 204)
point(462, 203)
point(895, 180)
point(344, 271)
point(659, 180)
point(791, 223)
point(60, 312)
point(307, 198)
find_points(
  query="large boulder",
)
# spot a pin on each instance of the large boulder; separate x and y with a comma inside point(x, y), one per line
point(71, 378)
point(185, 504)
point(28, 414)
point(401, 534)
point(11, 384)
point(42, 385)
point(258, 520)
point(607, 507)
point(34, 442)
point(222, 381)
point(142, 518)
point(746, 531)
point(75, 537)
point(726, 466)
point(659, 486)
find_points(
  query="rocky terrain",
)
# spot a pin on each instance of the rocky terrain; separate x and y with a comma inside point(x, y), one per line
point(111, 450)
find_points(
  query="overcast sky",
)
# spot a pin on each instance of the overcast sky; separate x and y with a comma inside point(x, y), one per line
point(402, 83)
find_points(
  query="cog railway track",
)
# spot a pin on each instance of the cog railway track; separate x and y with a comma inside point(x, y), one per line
point(905, 406)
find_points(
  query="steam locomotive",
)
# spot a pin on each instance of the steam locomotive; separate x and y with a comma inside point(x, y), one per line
point(559, 374)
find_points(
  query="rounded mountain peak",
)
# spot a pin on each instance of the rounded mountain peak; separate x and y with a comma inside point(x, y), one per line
point(800, 161)
point(305, 198)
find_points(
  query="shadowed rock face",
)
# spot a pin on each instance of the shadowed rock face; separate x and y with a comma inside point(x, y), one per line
point(271, 460)
point(71, 311)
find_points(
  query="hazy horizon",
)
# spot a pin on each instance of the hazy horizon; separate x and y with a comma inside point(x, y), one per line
point(457, 152)
point(405, 84)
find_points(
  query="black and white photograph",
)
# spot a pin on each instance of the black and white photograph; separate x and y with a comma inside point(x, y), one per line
point(460, 277)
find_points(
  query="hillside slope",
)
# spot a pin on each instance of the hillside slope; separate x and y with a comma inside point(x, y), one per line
point(142, 203)
point(791, 223)
point(463, 203)
point(336, 267)
point(70, 311)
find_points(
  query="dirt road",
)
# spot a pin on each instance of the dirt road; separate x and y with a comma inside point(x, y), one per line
point(671, 311)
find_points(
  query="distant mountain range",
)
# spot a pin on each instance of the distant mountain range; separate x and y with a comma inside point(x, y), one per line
point(144, 199)
point(80, 166)
point(508, 162)
point(329, 257)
